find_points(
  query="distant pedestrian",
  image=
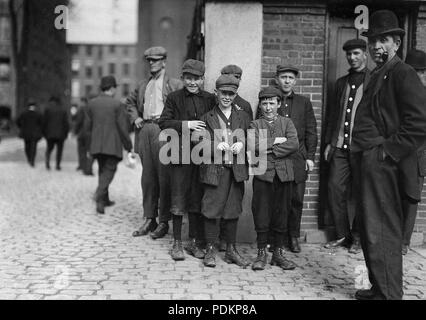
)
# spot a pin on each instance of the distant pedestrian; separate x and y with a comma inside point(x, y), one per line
point(107, 127)
point(30, 123)
point(55, 130)
point(85, 161)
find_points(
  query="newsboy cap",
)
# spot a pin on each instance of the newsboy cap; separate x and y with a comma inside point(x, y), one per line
point(383, 22)
point(108, 82)
point(269, 92)
point(355, 44)
point(416, 59)
point(155, 53)
point(232, 69)
point(227, 83)
point(194, 67)
point(281, 69)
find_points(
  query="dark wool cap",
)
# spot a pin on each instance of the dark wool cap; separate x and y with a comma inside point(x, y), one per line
point(232, 69)
point(281, 69)
point(108, 82)
point(194, 67)
point(155, 53)
point(227, 83)
point(355, 44)
point(269, 92)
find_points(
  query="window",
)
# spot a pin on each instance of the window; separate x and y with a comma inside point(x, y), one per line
point(89, 72)
point(100, 52)
point(100, 72)
point(89, 50)
point(112, 48)
point(126, 89)
point(111, 68)
point(4, 71)
point(75, 89)
point(75, 67)
point(126, 69)
point(126, 51)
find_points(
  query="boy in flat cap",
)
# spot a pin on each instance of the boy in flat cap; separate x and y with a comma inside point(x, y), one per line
point(390, 125)
point(299, 109)
point(342, 179)
point(223, 180)
point(182, 113)
point(107, 127)
point(416, 59)
point(272, 190)
point(144, 107)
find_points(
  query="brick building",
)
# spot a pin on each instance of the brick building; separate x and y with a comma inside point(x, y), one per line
point(258, 35)
point(90, 62)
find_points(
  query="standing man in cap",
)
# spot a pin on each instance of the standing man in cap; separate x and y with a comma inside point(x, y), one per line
point(182, 113)
point(85, 162)
point(107, 126)
point(299, 109)
point(272, 188)
point(416, 59)
point(144, 107)
point(390, 125)
point(348, 92)
point(223, 182)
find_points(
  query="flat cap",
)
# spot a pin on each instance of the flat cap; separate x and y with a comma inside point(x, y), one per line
point(194, 67)
point(156, 53)
point(416, 59)
point(232, 69)
point(355, 44)
point(108, 82)
point(227, 83)
point(269, 92)
point(293, 69)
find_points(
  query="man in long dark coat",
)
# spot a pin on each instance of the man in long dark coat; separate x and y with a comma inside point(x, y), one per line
point(390, 125)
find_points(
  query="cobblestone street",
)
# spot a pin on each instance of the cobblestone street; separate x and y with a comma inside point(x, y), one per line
point(54, 246)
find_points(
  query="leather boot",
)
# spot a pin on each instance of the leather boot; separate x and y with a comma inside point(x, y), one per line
point(355, 247)
point(222, 246)
point(210, 258)
point(233, 256)
point(161, 231)
point(100, 207)
point(177, 251)
point(279, 260)
point(147, 227)
point(261, 260)
point(294, 245)
point(193, 248)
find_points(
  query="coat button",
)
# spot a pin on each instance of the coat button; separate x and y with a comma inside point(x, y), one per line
point(351, 99)
point(346, 123)
point(348, 111)
point(353, 86)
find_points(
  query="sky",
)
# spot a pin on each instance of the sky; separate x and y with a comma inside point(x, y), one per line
point(103, 22)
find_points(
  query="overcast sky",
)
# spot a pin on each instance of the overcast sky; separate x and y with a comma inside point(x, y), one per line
point(105, 21)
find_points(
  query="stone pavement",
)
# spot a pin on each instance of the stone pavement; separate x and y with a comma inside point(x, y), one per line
point(54, 246)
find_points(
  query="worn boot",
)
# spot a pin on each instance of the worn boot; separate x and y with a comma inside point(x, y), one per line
point(193, 248)
point(100, 207)
point(210, 257)
point(177, 251)
point(261, 260)
point(233, 256)
point(222, 246)
point(279, 260)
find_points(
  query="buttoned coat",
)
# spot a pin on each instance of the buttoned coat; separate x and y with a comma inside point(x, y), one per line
point(240, 122)
point(30, 124)
point(55, 123)
point(108, 127)
point(135, 102)
point(278, 158)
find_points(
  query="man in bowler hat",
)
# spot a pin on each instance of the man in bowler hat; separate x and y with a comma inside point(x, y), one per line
point(107, 126)
point(416, 59)
point(390, 125)
point(341, 112)
point(144, 107)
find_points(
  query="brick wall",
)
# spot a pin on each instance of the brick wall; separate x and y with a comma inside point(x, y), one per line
point(296, 35)
point(421, 45)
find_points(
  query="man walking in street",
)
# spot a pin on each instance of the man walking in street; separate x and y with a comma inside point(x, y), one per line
point(55, 129)
point(342, 180)
point(144, 107)
point(108, 128)
point(182, 114)
point(299, 109)
point(85, 162)
point(390, 125)
point(416, 59)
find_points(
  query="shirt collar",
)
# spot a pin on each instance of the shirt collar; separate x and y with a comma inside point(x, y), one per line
point(290, 96)
point(352, 71)
point(189, 94)
point(159, 75)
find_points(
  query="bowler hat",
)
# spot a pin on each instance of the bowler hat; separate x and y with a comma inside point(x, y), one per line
point(155, 53)
point(194, 67)
point(383, 22)
point(232, 69)
point(416, 59)
point(281, 69)
point(355, 44)
point(108, 82)
point(227, 83)
point(31, 102)
point(269, 92)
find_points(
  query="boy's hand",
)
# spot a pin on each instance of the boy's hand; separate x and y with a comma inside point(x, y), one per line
point(237, 147)
point(280, 140)
point(223, 146)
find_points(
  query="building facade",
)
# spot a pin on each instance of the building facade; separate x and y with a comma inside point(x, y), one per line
point(90, 62)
